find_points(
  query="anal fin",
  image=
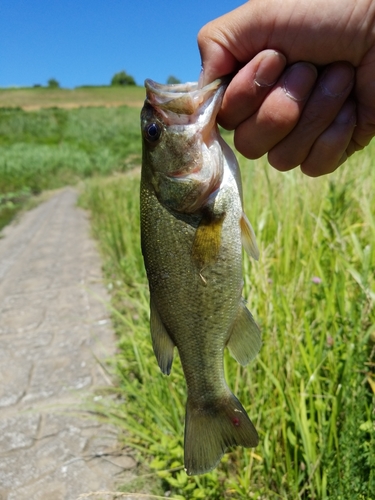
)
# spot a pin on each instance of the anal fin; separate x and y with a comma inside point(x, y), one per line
point(207, 240)
point(161, 341)
point(245, 340)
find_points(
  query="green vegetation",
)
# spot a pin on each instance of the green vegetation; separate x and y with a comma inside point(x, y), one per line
point(173, 80)
point(42, 97)
point(310, 392)
point(122, 78)
point(50, 148)
point(53, 83)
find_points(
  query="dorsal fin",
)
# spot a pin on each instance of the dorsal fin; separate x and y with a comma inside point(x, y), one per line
point(248, 237)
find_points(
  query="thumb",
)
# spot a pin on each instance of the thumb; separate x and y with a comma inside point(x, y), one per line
point(216, 60)
point(222, 43)
point(317, 32)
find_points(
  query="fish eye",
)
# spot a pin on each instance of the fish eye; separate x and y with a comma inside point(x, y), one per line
point(152, 132)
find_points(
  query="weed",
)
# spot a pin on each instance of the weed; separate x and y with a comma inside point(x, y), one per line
point(310, 391)
point(50, 148)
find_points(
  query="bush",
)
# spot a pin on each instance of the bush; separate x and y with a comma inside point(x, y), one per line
point(53, 83)
point(122, 78)
point(172, 80)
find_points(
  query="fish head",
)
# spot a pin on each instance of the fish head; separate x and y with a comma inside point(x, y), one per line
point(182, 156)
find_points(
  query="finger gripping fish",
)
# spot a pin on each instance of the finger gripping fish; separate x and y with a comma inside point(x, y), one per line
point(192, 231)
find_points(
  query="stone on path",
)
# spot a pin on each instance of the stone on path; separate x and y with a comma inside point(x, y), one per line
point(52, 327)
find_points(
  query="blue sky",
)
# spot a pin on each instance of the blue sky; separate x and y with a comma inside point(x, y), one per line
point(82, 42)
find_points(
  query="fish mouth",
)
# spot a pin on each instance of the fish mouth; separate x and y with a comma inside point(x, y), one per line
point(181, 103)
point(189, 114)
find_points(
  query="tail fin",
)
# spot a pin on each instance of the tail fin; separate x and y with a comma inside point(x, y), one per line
point(209, 431)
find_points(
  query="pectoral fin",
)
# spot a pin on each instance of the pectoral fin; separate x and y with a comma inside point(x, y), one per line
point(161, 341)
point(248, 237)
point(245, 340)
point(207, 240)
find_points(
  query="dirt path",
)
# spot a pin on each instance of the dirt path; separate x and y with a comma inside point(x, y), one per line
point(52, 326)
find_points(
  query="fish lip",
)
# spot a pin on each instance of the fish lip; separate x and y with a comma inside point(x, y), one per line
point(184, 98)
point(171, 88)
point(189, 114)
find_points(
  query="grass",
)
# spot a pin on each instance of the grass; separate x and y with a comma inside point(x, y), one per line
point(50, 148)
point(310, 392)
point(35, 98)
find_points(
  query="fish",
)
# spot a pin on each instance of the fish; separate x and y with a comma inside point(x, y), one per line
point(193, 228)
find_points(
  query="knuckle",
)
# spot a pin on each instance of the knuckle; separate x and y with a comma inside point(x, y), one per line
point(281, 160)
point(316, 115)
point(206, 34)
point(277, 119)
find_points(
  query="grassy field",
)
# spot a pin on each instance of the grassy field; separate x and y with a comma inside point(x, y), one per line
point(310, 392)
point(36, 98)
point(54, 146)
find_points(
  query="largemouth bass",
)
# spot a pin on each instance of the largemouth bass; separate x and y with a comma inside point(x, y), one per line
point(192, 227)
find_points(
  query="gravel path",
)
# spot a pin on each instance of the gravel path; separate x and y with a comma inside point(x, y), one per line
point(52, 327)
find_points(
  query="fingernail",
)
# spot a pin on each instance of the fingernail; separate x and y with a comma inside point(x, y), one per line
point(337, 79)
point(347, 114)
point(269, 69)
point(299, 81)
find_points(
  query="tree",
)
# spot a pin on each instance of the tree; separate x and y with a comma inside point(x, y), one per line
point(53, 83)
point(173, 79)
point(122, 78)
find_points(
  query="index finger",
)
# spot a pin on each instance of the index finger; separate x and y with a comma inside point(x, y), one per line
point(249, 87)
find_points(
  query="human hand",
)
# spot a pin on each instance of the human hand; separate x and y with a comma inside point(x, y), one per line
point(313, 113)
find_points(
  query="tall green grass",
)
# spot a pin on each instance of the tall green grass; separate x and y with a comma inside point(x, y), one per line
point(50, 148)
point(310, 392)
